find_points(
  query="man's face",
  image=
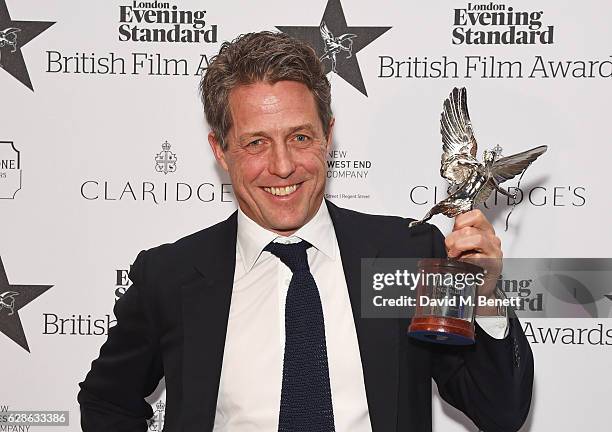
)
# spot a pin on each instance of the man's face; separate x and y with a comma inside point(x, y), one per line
point(276, 154)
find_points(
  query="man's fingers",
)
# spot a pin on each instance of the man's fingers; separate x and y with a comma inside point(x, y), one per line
point(465, 232)
point(459, 245)
point(473, 240)
point(480, 242)
point(474, 218)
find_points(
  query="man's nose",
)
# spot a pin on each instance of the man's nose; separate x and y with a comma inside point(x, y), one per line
point(281, 160)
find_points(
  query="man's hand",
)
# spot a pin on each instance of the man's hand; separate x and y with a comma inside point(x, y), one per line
point(473, 240)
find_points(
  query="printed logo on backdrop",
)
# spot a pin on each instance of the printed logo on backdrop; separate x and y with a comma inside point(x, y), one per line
point(12, 299)
point(139, 23)
point(153, 189)
point(156, 423)
point(490, 24)
point(534, 196)
point(85, 324)
point(599, 334)
point(14, 35)
point(165, 161)
point(499, 24)
point(159, 21)
point(122, 282)
point(10, 170)
point(337, 44)
point(349, 172)
point(82, 324)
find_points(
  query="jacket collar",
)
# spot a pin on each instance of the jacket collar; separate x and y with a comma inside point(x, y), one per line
point(378, 338)
point(253, 238)
point(205, 310)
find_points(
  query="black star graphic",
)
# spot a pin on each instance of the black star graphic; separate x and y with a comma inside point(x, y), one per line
point(13, 36)
point(355, 39)
point(13, 298)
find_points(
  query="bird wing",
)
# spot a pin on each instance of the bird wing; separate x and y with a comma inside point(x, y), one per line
point(509, 167)
point(10, 30)
point(484, 192)
point(456, 127)
point(346, 36)
point(325, 33)
point(458, 143)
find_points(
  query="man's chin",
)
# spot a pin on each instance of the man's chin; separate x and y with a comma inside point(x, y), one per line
point(285, 226)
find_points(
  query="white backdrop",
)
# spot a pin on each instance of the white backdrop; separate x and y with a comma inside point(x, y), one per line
point(88, 143)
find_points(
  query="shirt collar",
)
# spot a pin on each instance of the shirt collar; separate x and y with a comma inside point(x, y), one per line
point(252, 238)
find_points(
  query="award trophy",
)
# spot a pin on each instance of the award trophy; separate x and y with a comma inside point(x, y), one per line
point(448, 316)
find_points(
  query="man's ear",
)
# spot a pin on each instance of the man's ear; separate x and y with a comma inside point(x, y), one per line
point(330, 133)
point(215, 145)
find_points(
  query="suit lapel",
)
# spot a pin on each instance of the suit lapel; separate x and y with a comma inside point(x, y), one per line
point(378, 337)
point(205, 310)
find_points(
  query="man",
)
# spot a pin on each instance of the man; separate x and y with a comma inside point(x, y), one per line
point(255, 322)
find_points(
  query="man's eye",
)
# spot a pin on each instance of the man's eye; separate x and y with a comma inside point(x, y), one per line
point(254, 143)
point(301, 138)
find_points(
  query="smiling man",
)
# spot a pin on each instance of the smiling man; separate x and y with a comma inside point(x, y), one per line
point(277, 157)
point(255, 322)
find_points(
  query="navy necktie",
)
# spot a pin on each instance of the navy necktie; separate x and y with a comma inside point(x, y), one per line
point(306, 404)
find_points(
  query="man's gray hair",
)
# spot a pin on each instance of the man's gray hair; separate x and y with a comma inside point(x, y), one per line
point(267, 57)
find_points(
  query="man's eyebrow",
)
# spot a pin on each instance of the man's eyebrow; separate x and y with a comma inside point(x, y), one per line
point(306, 126)
point(248, 135)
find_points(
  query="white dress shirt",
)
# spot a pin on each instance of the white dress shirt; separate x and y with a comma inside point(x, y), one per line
point(252, 369)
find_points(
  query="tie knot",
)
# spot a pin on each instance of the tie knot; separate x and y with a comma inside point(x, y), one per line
point(293, 255)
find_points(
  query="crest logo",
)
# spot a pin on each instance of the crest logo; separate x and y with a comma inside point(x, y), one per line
point(165, 161)
point(13, 36)
point(329, 47)
point(10, 170)
point(156, 423)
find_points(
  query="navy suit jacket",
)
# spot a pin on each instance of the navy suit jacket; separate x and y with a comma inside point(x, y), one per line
point(172, 322)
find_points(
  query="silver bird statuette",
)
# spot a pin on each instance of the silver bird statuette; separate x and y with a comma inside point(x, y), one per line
point(471, 182)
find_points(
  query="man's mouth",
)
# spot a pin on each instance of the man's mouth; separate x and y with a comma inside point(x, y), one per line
point(283, 190)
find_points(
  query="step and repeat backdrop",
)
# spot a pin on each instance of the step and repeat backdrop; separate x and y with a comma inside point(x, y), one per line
point(103, 153)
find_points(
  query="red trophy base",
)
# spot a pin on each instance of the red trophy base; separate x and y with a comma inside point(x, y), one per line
point(443, 330)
